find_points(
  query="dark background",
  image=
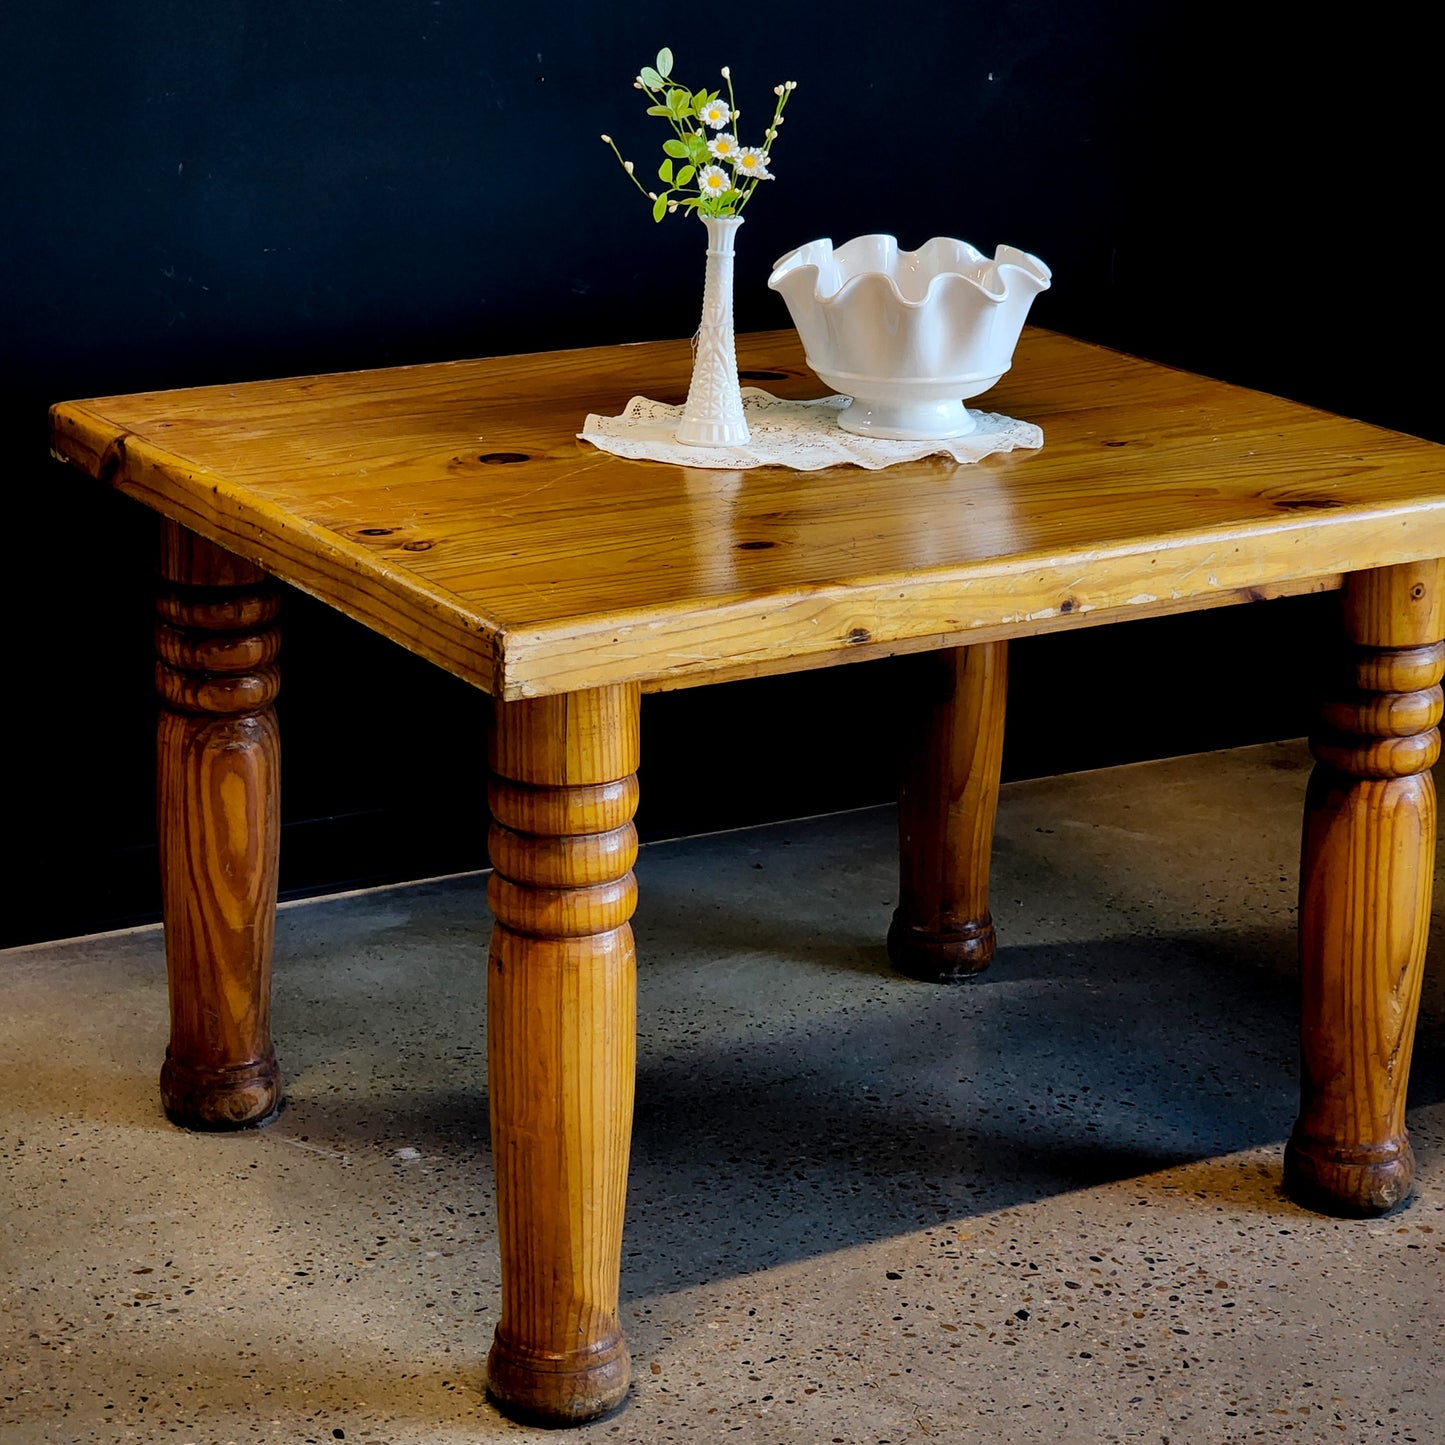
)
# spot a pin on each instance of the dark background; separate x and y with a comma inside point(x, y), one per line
point(204, 192)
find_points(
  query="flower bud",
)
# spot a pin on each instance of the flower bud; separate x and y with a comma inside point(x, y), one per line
point(607, 140)
point(726, 73)
point(627, 166)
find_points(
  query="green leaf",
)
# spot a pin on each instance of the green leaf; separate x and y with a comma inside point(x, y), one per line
point(697, 150)
point(659, 207)
point(685, 175)
point(664, 173)
point(678, 101)
point(664, 62)
point(658, 110)
point(650, 78)
point(676, 148)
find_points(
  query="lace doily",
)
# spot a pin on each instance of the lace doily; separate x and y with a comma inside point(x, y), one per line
point(803, 435)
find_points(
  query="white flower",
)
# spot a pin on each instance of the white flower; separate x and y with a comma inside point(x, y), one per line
point(752, 162)
point(714, 181)
point(723, 147)
point(715, 114)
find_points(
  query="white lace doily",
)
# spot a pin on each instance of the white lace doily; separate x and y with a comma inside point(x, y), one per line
point(803, 435)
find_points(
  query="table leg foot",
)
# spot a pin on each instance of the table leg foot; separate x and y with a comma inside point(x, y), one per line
point(553, 1389)
point(938, 957)
point(243, 1097)
point(1352, 1184)
point(561, 1045)
point(942, 931)
point(218, 806)
point(1368, 861)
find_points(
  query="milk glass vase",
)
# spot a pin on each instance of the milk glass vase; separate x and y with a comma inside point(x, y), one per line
point(713, 415)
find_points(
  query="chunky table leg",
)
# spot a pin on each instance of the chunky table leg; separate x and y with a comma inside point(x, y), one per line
point(1365, 880)
point(218, 768)
point(561, 1045)
point(942, 930)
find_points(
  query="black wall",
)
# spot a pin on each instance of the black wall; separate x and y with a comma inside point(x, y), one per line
point(204, 191)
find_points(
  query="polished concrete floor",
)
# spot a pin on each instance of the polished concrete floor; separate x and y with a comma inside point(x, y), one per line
point(1044, 1206)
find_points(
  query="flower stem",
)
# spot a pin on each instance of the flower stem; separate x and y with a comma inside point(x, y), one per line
point(613, 144)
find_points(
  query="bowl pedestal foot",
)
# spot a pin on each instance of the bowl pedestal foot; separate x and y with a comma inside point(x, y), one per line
point(912, 421)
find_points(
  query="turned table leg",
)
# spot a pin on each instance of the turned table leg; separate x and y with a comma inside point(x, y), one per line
point(218, 761)
point(942, 930)
point(1365, 881)
point(561, 1045)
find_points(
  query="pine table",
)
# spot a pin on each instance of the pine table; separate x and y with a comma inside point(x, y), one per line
point(451, 508)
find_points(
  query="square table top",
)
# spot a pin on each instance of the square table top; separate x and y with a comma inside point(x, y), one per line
point(452, 508)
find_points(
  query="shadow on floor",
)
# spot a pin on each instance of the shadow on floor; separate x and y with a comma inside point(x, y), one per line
point(813, 1122)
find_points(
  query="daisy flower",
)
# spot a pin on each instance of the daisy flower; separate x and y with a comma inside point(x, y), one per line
point(714, 115)
point(752, 162)
point(707, 169)
point(714, 181)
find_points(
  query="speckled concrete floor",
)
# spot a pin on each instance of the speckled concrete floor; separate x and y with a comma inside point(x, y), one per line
point(1042, 1207)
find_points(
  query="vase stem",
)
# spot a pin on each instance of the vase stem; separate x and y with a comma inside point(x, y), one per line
point(713, 415)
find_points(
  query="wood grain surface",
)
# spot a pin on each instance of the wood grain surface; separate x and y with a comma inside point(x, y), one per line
point(942, 930)
point(452, 508)
point(561, 1045)
point(218, 804)
point(1366, 876)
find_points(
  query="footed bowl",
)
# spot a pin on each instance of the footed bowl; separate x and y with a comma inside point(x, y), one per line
point(908, 335)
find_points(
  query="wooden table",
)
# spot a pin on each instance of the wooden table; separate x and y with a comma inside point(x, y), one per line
point(451, 508)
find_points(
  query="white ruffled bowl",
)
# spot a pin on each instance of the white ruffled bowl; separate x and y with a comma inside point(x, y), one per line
point(909, 335)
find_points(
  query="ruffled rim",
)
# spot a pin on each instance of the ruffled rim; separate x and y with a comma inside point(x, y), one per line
point(876, 260)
